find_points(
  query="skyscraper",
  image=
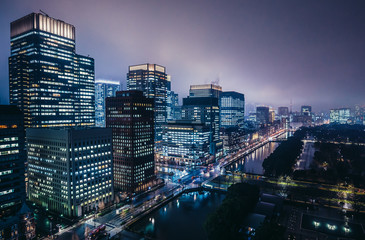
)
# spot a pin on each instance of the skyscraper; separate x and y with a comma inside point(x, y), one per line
point(202, 105)
point(51, 84)
point(70, 170)
point(232, 109)
point(306, 110)
point(172, 105)
point(131, 116)
point(103, 89)
point(12, 160)
point(153, 81)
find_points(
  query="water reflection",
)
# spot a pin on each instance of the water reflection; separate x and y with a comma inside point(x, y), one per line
point(252, 163)
point(171, 221)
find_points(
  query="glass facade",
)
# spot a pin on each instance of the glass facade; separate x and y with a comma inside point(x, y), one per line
point(51, 84)
point(186, 143)
point(153, 81)
point(131, 116)
point(103, 89)
point(263, 115)
point(232, 109)
point(172, 105)
point(70, 170)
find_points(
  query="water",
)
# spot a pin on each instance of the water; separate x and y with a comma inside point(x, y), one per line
point(182, 218)
point(252, 163)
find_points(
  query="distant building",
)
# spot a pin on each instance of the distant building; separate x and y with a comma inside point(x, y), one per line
point(51, 84)
point(70, 170)
point(359, 114)
point(340, 115)
point(153, 81)
point(186, 143)
point(306, 110)
point(263, 115)
point(232, 109)
point(131, 116)
point(271, 116)
point(103, 89)
point(283, 111)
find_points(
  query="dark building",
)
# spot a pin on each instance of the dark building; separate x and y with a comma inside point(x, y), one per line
point(263, 115)
point(70, 170)
point(51, 84)
point(16, 222)
point(153, 81)
point(283, 111)
point(12, 160)
point(232, 109)
point(131, 116)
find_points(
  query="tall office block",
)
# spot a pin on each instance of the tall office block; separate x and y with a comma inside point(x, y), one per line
point(103, 89)
point(153, 81)
point(186, 143)
point(205, 110)
point(12, 160)
point(51, 84)
point(263, 115)
point(232, 109)
point(70, 170)
point(131, 116)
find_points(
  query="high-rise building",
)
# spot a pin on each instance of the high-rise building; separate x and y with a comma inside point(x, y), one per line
point(153, 81)
point(186, 143)
point(12, 160)
point(271, 116)
point(283, 111)
point(232, 109)
point(70, 170)
point(306, 110)
point(51, 84)
point(340, 115)
point(205, 90)
point(131, 116)
point(103, 89)
point(172, 105)
point(263, 115)
point(205, 110)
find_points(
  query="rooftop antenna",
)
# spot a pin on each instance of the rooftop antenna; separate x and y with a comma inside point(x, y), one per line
point(43, 13)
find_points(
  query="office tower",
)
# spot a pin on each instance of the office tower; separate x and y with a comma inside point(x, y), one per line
point(201, 106)
point(271, 116)
point(283, 111)
point(103, 89)
point(153, 81)
point(262, 115)
point(186, 143)
point(205, 90)
point(12, 160)
point(232, 109)
point(359, 114)
point(340, 115)
point(131, 116)
point(306, 110)
point(51, 84)
point(172, 104)
point(70, 170)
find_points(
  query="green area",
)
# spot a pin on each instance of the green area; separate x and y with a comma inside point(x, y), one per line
point(226, 221)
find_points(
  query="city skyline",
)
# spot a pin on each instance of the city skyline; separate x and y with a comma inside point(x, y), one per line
point(255, 48)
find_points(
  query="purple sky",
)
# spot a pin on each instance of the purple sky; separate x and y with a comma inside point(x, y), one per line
point(312, 51)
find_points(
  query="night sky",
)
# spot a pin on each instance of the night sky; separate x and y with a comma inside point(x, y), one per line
point(312, 52)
